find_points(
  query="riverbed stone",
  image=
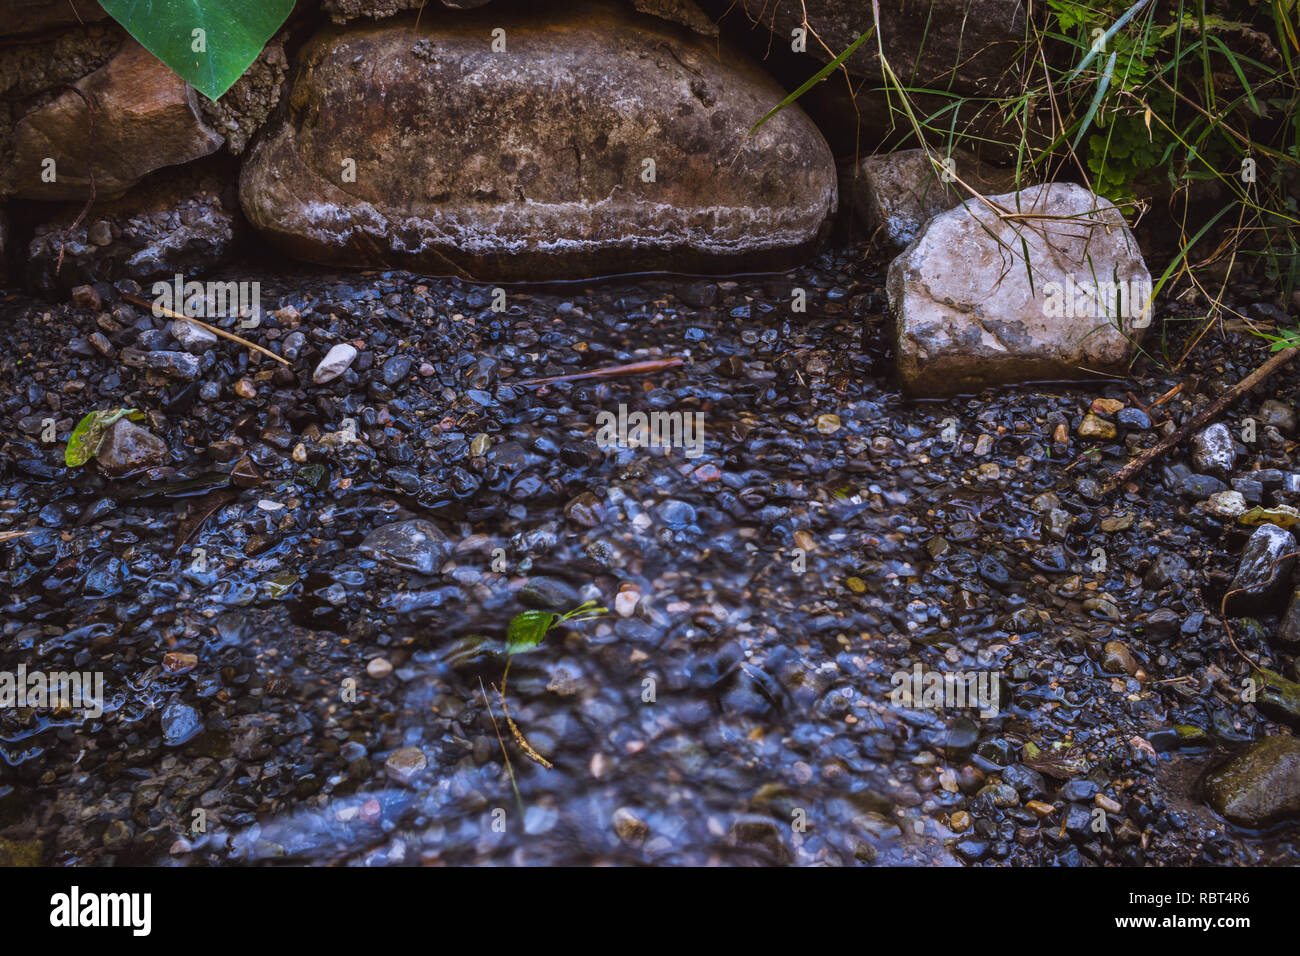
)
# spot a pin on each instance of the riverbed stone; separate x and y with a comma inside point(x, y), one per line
point(128, 447)
point(1259, 786)
point(900, 192)
point(967, 314)
point(1263, 574)
point(1213, 451)
point(415, 545)
point(334, 364)
point(536, 162)
point(146, 118)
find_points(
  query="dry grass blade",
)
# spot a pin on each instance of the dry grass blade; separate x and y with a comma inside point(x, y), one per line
point(10, 535)
point(636, 368)
point(211, 328)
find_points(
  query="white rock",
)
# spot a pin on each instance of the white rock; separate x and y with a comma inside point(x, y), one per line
point(1213, 452)
point(334, 364)
point(1223, 504)
point(967, 314)
point(194, 339)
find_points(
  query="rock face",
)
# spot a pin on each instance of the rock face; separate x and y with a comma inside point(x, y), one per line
point(178, 221)
point(965, 47)
point(33, 16)
point(900, 192)
point(245, 107)
point(928, 42)
point(967, 315)
point(146, 117)
point(598, 141)
point(1260, 785)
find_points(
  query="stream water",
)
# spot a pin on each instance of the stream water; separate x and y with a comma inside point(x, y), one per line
point(319, 704)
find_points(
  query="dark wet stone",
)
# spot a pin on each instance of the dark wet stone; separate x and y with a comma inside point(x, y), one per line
point(1166, 568)
point(1133, 418)
point(415, 545)
point(1288, 630)
point(396, 369)
point(1260, 785)
point(180, 723)
point(128, 447)
point(1263, 576)
point(550, 594)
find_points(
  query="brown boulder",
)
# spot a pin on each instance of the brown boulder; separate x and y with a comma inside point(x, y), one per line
point(536, 161)
point(146, 117)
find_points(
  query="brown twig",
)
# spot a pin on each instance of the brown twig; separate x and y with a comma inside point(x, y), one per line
point(524, 745)
point(1211, 412)
point(211, 328)
point(636, 368)
point(504, 753)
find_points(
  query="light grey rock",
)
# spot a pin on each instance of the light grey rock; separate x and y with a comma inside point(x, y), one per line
point(900, 192)
point(193, 338)
point(967, 314)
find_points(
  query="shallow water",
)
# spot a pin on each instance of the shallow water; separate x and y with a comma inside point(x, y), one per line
point(740, 712)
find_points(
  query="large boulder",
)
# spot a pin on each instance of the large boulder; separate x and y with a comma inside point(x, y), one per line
point(145, 117)
point(34, 16)
point(599, 140)
point(1260, 785)
point(970, 311)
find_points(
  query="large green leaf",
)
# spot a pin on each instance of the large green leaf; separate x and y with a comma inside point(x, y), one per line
point(234, 32)
point(526, 630)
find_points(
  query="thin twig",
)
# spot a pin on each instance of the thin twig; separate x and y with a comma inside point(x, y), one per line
point(524, 745)
point(636, 368)
point(211, 328)
point(504, 753)
point(1211, 412)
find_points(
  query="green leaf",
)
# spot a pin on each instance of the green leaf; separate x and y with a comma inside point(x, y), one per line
point(89, 434)
point(233, 34)
point(527, 630)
